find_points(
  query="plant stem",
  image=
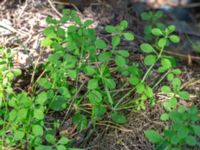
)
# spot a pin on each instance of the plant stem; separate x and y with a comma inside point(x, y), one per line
point(151, 67)
point(161, 79)
point(121, 99)
point(143, 79)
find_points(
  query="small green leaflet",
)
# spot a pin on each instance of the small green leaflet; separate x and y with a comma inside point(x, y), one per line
point(150, 60)
point(147, 48)
point(118, 118)
point(80, 121)
point(153, 136)
point(100, 44)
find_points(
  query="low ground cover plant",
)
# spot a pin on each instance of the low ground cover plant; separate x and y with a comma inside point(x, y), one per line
point(182, 133)
point(91, 78)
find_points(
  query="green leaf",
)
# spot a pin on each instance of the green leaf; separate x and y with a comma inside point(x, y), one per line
point(153, 136)
point(18, 135)
point(123, 24)
point(150, 60)
point(120, 61)
point(12, 115)
point(174, 140)
point(146, 16)
point(64, 92)
point(38, 114)
point(147, 48)
point(181, 109)
point(115, 40)
point(61, 147)
point(176, 117)
point(64, 18)
point(46, 42)
point(63, 140)
point(92, 84)
point(37, 130)
point(161, 69)
point(184, 95)
point(104, 56)
point(166, 63)
point(95, 97)
point(170, 104)
point(134, 80)
point(80, 121)
point(140, 88)
point(43, 147)
point(174, 38)
point(60, 32)
point(50, 32)
point(183, 132)
point(88, 23)
point(128, 36)
point(98, 111)
point(156, 32)
point(191, 140)
point(59, 103)
point(123, 53)
point(51, 20)
point(176, 82)
point(17, 72)
point(158, 14)
point(164, 117)
point(170, 76)
point(89, 70)
point(50, 138)
point(177, 71)
point(196, 129)
point(110, 29)
point(148, 92)
point(100, 44)
point(160, 25)
point(22, 114)
point(162, 42)
point(72, 73)
point(110, 83)
point(170, 29)
point(166, 89)
point(43, 82)
point(118, 118)
point(41, 98)
point(147, 30)
point(193, 110)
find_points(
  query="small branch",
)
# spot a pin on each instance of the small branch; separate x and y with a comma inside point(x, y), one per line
point(54, 8)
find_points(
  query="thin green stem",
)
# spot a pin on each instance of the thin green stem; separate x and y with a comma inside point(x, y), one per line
point(121, 99)
point(161, 79)
point(143, 79)
point(151, 67)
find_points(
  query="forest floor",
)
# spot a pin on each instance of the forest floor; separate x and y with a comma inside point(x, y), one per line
point(23, 30)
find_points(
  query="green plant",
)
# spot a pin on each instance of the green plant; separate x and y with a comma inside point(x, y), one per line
point(76, 57)
point(22, 117)
point(88, 76)
point(80, 74)
point(155, 56)
point(7, 74)
point(182, 132)
point(153, 21)
point(169, 139)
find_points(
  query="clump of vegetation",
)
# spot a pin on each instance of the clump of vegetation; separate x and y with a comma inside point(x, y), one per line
point(182, 132)
point(153, 21)
point(22, 121)
point(88, 76)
